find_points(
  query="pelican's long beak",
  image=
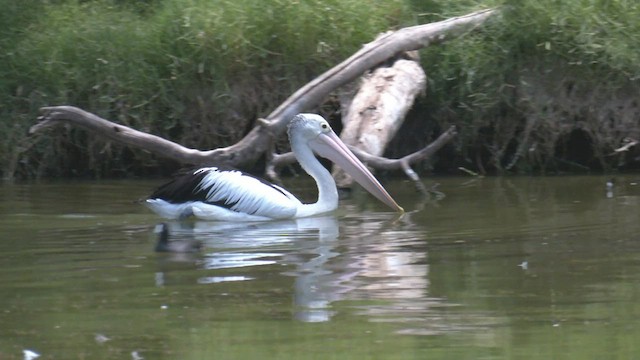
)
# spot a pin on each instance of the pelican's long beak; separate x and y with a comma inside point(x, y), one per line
point(329, 145)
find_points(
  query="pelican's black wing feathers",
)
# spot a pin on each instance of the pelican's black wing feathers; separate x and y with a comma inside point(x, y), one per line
point(228, 188)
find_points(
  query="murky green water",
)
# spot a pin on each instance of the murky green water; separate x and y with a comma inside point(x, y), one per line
point(506, 268)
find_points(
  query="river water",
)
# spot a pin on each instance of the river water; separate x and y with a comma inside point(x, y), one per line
point(500, 268)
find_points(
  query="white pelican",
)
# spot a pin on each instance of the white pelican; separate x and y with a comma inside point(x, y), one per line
point(213, 193)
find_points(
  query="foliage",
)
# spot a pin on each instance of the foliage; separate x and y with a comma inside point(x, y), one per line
point(201, 71)
point(198, 71)
point(528, 80)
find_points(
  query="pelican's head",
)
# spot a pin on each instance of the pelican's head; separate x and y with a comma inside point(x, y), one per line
point(315, 131)
point(308, 126)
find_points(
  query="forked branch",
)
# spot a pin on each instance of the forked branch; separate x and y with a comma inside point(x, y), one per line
point(257, 142)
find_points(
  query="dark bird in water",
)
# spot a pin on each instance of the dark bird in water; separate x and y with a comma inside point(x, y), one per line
point(174, 246)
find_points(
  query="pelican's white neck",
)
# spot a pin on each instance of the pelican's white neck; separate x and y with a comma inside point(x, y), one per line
point(327, 191)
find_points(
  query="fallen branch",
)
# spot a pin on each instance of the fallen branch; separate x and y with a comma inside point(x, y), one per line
point(258, 141)
point(377, 162)
point(120, 133)
point(629, 143)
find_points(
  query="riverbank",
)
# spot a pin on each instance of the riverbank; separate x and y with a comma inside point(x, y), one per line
point(545, 87)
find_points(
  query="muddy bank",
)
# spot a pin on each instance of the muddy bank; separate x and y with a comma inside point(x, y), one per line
point(550, 119)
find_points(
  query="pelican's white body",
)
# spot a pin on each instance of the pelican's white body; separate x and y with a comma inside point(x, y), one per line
point(254, 200)
point(213, 193)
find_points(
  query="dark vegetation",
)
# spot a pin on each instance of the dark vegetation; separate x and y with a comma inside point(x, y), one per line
point(546, 87)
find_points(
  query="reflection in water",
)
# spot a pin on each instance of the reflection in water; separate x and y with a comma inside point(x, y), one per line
point(500, 268)
point(306, 244)
point(371, 262)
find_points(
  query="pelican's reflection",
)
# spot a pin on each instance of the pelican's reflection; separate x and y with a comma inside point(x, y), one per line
point(307, 243)
point(364, 263)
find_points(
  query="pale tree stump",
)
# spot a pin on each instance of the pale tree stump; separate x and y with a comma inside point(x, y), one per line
point(379, 108)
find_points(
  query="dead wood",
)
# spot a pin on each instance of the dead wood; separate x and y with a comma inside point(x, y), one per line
point(120, 133)
point(379, 108)
point(259, 140)
point(377, 162)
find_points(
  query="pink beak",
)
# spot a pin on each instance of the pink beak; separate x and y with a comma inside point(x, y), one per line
point(331, 147)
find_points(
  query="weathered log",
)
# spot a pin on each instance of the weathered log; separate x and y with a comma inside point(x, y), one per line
point(259, 139)
point(379, 108)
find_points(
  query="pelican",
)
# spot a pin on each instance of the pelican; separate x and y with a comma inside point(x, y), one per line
point(215, 193)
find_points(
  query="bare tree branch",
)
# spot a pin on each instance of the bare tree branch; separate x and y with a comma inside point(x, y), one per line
point(381, 163)
point(258, 140)
point(380, 50)
point(119, 133)
point(378, 162)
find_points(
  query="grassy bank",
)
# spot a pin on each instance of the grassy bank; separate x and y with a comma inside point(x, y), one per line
point(551, 87)
point(201, 71)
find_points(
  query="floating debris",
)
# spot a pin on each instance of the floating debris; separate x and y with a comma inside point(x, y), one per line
point(159, 279)
point(101, 339)
point(30, 354)
point(219, 279)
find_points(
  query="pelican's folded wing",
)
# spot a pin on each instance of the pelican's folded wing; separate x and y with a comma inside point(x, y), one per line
point(230, 189)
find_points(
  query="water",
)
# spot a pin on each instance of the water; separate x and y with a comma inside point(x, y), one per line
point(501, 268)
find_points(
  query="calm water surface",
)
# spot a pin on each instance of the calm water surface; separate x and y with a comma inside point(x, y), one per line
point(501, 268)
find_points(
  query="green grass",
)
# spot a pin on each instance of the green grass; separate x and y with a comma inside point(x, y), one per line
point(198, 71)
point(201, 71)
point(485, 80)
